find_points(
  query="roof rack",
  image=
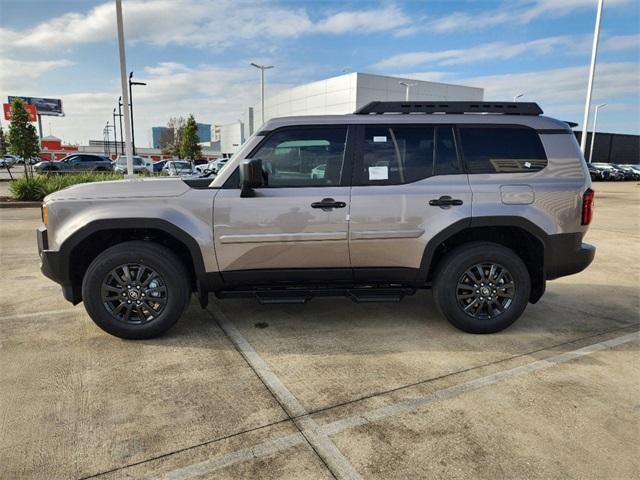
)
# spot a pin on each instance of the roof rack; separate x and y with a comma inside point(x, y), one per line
point(511, 108)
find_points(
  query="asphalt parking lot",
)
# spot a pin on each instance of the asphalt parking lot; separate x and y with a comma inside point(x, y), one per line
point(331, 388)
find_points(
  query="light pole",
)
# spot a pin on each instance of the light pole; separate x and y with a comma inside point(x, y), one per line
point(592, 72)
point(115, 131)
point(407, 87)
point(516, 97)
point(593, 133)
point(133, 133)
point(123, 85)
point(108, 127)
point(120, 120)
point(262, 69)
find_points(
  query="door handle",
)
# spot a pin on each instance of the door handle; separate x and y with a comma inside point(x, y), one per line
point(445, 201)
point(327, 204)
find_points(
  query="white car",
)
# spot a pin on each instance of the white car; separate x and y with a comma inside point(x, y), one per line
point(140, 164)
point(179, 168)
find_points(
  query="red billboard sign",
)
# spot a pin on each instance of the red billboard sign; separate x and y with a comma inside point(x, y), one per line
point(31, 109)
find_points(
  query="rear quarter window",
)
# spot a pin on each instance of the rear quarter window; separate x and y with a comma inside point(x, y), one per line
point(502, 149)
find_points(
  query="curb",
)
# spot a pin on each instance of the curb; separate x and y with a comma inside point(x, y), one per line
point(20, 204)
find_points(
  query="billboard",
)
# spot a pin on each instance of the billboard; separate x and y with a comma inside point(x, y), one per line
point(44, 106)
point(31, 110)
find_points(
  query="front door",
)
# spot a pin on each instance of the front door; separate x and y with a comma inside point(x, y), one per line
point(295, 227)
point(408, 186)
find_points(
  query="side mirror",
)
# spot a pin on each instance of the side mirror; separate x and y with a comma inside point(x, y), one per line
point(250, 176)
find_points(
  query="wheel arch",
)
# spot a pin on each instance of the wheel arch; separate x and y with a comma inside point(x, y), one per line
point(84, 245)
point(528, 240)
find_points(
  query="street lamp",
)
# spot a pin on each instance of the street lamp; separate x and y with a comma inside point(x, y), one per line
point(407, 87)
point(516, 97)
point(133, 134)
point(120, 120)
point(108, 127)
point(593, 133)
point(262, 69)
point(592, 72)
point(115, 131)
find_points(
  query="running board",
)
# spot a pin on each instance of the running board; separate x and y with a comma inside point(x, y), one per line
point(303, 295)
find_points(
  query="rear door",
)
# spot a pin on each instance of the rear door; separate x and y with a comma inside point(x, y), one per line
point(296, 225)
point(408, 186)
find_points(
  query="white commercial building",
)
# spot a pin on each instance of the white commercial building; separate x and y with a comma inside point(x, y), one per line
point(346, 93)
point(231, 136)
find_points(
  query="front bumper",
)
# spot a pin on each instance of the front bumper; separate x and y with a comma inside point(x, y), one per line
point(567, 255)
point(55, 267)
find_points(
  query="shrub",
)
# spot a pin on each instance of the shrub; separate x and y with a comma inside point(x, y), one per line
point(27, 188)
point(36, 188)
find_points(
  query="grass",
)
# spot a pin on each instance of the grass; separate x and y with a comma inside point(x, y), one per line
point(39, 186)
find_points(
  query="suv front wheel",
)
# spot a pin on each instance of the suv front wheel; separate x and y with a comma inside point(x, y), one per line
point(482, 287)
point(136, 290)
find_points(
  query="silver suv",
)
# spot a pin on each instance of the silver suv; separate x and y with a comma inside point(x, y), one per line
point(481, 202)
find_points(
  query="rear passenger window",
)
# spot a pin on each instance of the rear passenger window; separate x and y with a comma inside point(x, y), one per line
point(396, 155)
point(502, 149)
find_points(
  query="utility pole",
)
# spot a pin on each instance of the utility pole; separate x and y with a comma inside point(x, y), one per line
point(125, 92)
point(262, 69)
point(407, 87)
point(120, 120)
point(593, 133)
point(592, 72)
point(133, 133)
point(115, 130)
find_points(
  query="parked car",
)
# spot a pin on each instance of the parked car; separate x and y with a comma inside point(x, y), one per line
point(598, 173)
point(77, 162)
point(318, 172)
point(140, 164)
point(32, 161)
point(8, 161)
point(178, 168)
point(482, 209)
point(628, 172)
point(157, 166)
point(204, 167)
point(613, 172)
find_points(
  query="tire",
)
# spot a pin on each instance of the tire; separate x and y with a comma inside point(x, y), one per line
point(453, 288)
point(157, 304)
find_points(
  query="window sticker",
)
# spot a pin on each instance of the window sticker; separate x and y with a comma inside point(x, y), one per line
point(380, 139)
point(527, 164)
point(378, 173)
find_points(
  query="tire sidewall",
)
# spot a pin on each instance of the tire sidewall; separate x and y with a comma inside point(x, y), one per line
point(163, 261)
point(452, 269)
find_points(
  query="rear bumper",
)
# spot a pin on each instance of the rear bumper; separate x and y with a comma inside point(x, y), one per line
point(567, 255)
point(56, 268)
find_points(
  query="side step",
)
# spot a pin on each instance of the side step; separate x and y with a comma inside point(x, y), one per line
point(365, 294)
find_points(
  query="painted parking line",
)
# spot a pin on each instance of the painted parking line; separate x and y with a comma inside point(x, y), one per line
point(277, 445)
point(18, 316)
point(312, 432)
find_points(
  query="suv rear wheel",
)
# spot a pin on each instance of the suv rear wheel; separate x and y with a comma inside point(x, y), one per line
point(136, 290)
point(482, 287)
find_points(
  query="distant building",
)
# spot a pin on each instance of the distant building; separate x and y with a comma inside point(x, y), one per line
point(204, 134)
point(346, 93)
point(156, 135)
point(231, 137)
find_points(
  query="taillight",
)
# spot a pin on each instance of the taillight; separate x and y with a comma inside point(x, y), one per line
point(587, 206)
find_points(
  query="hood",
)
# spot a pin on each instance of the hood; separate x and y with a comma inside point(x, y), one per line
point(139, 187)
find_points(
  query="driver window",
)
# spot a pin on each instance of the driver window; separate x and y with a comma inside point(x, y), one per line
point(303, 157)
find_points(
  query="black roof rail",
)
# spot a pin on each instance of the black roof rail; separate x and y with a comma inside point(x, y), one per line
point(511, 108)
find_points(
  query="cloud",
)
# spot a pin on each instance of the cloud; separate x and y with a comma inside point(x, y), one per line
point(375, 20)
point(20, 74)
point(200, 23)
point(478, 53)
point(514, 13)
point(561, 92)
point(621, 42)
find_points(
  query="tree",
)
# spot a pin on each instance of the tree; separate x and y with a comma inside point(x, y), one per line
point(23, 138)
point(3, 145)
point(170, 138)
point(189, 146)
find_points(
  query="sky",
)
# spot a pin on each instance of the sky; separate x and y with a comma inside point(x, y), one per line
point(195, 54)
